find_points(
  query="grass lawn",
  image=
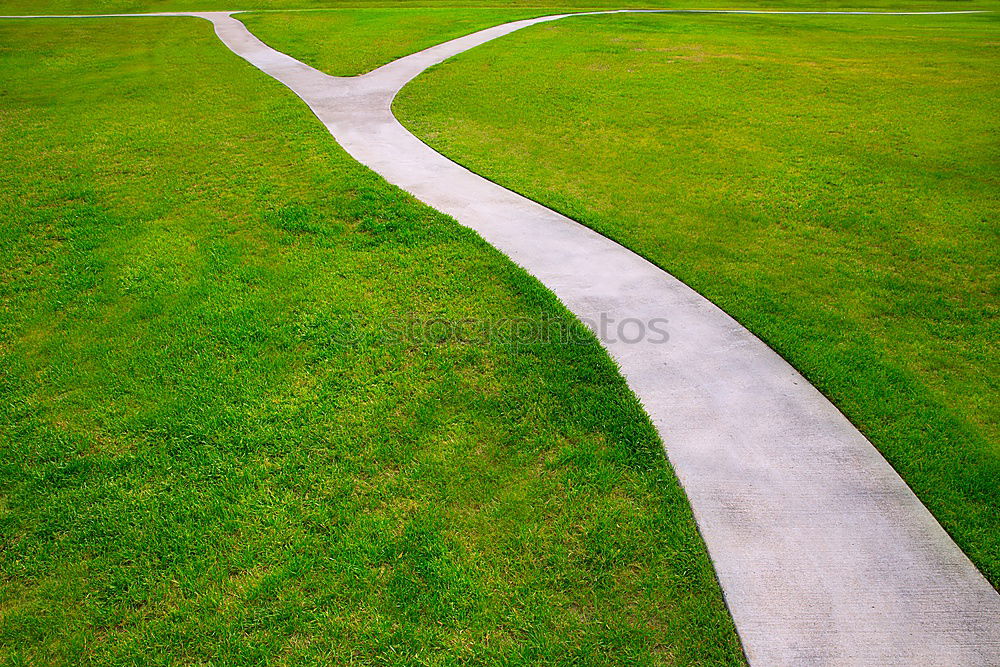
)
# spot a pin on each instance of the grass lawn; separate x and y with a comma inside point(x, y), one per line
point(347, 42)
point(212, 451)
point(353, 41)
point(461, 7)
point(830, 182)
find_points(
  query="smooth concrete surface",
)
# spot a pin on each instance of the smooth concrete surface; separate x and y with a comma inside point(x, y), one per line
point(824, 554)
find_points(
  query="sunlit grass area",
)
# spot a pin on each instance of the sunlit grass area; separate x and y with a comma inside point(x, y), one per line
point(216, 447)
point(830, 182)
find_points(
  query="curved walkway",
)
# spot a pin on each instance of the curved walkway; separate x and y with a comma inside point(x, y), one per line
point(824, 554)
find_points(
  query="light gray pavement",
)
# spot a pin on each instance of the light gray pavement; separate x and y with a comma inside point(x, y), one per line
point(824, 554)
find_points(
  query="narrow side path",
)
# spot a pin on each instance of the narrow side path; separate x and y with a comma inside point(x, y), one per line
point(824, 554)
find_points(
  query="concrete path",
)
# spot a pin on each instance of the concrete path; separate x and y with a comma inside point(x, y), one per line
point(824, 554)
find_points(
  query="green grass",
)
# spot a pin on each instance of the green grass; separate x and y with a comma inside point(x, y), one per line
point(347, 42)
point(832, 183)
point(128, 6)
point(354, 41)
point(195, 467)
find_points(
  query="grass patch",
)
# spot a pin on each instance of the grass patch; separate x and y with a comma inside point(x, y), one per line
point(212, 451)
point(830, 182)
point(354, 41)
point(14, 7)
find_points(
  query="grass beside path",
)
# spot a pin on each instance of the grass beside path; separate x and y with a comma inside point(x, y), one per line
point(354, 41)
point(830, 182)
point(347, 42)
point(196, 467)
point(14, 7)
